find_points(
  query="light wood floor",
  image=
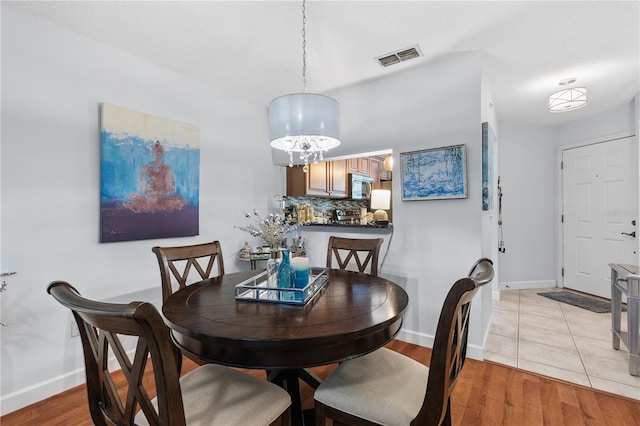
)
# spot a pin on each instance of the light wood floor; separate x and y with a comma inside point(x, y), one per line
point(486, 394)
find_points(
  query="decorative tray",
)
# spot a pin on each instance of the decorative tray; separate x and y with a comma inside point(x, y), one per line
point(255, 289)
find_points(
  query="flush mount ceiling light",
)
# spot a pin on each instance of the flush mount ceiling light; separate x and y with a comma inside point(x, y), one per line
point(569, 98)
point(306, 123)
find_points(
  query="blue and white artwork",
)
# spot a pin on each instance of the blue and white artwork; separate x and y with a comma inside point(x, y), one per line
point(488, 143)
point(149, 176)
point(434, 174)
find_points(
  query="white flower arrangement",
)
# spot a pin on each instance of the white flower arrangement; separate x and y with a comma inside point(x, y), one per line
point(271, 229)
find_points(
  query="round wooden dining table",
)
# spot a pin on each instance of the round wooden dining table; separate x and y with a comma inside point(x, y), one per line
point(352, 315)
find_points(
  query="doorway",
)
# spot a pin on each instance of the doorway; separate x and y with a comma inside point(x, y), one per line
point(599, 212)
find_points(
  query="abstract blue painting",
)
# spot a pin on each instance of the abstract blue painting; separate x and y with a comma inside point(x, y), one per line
point(149, 176)
point(434, 174)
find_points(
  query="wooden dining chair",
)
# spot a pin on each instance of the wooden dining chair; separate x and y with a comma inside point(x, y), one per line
point(388, 388)
point(209, 395)
point(363, 251)
point(179, 262)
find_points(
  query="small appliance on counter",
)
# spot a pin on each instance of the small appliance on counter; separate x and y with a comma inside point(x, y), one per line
point(347, 216)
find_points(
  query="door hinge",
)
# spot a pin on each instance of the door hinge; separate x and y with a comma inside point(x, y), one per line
point(561, 218)
point(562, 165)
point(562, 272)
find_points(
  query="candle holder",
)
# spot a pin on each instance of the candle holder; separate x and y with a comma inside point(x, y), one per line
point(301, 268)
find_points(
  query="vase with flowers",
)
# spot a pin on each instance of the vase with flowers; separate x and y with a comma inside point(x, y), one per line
point(272, 230)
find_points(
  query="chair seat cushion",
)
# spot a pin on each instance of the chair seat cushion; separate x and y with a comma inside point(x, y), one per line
point(383, 387)
point(217, 395)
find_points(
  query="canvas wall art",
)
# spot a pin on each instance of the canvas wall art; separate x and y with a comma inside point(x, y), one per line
point(488, 146)
point(149, 176)
point(434, 174)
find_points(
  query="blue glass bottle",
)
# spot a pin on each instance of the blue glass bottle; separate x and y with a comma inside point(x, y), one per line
point(273, 265)
point(286, 275)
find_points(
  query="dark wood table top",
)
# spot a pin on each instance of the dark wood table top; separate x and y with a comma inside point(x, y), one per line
point(355, 314)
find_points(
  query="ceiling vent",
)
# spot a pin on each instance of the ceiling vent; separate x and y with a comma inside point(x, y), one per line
point(399, 56)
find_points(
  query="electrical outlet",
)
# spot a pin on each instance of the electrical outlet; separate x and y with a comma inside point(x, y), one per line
point(74, 329)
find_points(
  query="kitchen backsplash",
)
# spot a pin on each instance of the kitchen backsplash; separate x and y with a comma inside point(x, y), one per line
point(323, 207)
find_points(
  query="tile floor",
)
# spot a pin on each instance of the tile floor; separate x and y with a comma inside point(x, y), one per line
point(555, 339)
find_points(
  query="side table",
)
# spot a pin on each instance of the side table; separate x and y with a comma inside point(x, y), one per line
point(625, 279)
point(254, 258)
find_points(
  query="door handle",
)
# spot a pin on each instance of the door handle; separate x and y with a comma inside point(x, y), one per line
point(633, 234)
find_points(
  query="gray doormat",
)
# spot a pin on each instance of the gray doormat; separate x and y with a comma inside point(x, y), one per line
point(585, 302)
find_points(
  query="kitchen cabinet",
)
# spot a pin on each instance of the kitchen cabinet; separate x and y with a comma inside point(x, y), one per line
point(360, 165)
point(338, 179)
point(375, 168)
point(378, 172)
point(384, 174)
point(325, 179)
point(353, 165)
point(317, 179)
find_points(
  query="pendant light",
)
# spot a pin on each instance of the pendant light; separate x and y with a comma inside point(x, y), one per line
point(388, 163)
point(569, 98)
point(306, 123)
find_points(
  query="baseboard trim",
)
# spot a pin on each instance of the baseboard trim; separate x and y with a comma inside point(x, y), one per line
point(473, 351)
point(416, 338)
point(523, 285)
point(46, 389)
point(43, 390)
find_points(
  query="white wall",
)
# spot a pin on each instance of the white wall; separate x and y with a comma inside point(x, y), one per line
point(435, 242)
point(52, 84)
point(529, 166)
point(527, 160)
point(490, 217)
point(613, 123)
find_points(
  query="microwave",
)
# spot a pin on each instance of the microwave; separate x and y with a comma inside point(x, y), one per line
point(360, 186)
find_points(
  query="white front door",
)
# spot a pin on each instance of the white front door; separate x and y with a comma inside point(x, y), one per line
point(600, 212)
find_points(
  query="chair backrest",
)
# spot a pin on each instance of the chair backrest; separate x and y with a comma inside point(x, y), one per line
point(350, 250)
point(450, 344)
point(177, 262)
point(102, 326)
point(482, 271)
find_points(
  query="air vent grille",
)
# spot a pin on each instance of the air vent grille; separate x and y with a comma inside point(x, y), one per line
point(399, 56)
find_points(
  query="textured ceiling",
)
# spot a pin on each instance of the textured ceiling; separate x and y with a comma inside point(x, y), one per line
point(254, 49)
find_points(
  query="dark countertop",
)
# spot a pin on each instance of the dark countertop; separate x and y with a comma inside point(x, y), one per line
point(348, 225)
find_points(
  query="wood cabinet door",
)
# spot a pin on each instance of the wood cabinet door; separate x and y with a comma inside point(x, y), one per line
point(364, 166)
point(359, 165)
point(323, 179)
point(353, 165)
point(375, 166)
point(338, 179)
point(318, 179)
point(296, 182)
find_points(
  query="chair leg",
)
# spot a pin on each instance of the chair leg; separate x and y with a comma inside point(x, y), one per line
point(447, 416)
point(321, 415)
point(284, 419)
